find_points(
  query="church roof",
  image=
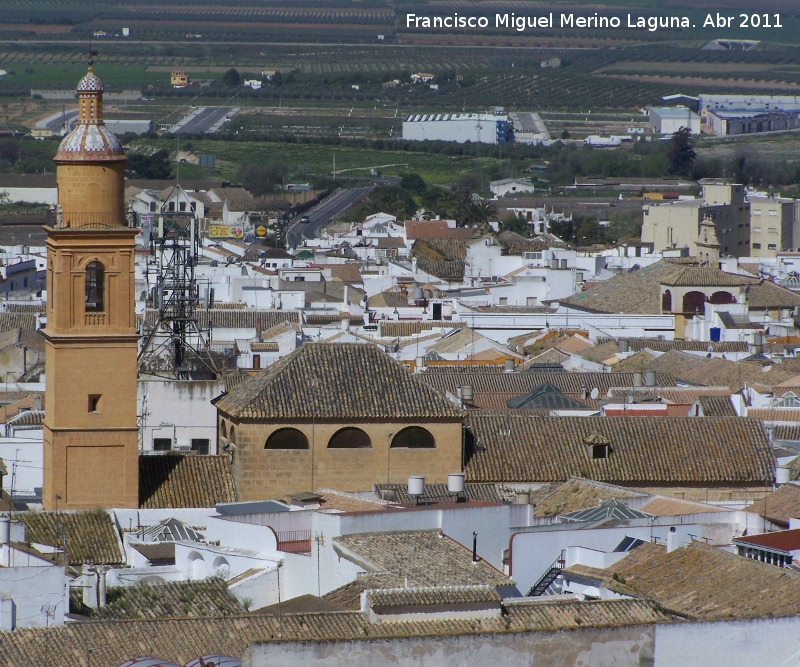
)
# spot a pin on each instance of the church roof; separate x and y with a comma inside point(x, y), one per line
point(90, 82)
point(336, 381)
point(90, 141)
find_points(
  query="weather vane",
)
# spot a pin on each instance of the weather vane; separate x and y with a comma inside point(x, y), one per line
point(92, 54)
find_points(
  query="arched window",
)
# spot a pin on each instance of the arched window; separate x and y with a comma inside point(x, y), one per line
point(666, 302)
point(349, 438)
point(693, 301)
point(286, 438)
point(223, 430)
point(95, 288)
point(722, 297)
point(232, 439)
point(414, 437)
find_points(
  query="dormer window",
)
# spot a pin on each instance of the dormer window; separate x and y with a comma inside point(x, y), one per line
point(94, 287)
point(599, 446)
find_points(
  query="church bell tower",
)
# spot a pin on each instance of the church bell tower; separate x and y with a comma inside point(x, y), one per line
point(90, 429)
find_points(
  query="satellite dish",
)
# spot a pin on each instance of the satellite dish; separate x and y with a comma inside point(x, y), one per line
point(594, 393)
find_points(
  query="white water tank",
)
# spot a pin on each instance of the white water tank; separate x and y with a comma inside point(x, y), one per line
point(509, 365)
point(782, 475)
point(455, 483)
point(5, 530)
point(466, 392)
point(637, 379)
point(649, 378)
point(416, 485)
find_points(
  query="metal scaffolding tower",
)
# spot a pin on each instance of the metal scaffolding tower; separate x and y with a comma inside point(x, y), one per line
point(174, 344)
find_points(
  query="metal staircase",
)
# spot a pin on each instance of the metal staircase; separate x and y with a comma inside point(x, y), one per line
point(546, 580)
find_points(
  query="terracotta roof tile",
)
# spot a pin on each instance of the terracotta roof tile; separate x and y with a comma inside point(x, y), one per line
point(176, 481)
point(181, 640)
point(346, 380)
point(348, 273)
point(495, 381)
point(432, 596)
point(716, 406)
point(90, 536)
point(349, 595)
point(662, 506)
point(676, 450)
point(702, 582)
point(783, 540)
point(12, 320)
point(236, 318)
point(576, 494)
point(426, 558)
point(487, 493)
point(169, 600)
point(780, 505)
point(390, 329)
point(427, 229)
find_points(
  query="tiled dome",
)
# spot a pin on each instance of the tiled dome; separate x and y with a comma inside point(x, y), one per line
point(90, 82)
point(89, 142)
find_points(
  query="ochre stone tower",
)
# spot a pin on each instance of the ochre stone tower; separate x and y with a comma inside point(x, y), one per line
point(90, 430)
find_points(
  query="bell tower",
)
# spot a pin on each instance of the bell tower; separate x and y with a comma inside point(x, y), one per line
point(91, 440)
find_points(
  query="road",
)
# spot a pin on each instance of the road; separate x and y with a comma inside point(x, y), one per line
point(204, 119)
point(322, 213)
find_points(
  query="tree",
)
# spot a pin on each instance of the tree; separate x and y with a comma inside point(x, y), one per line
point(681, 152)
point(515, 223)
point(483, 211)
point(231, 77)
point(413, 183)
point(154, 166)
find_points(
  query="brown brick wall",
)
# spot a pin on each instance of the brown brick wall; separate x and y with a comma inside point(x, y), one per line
point(260, 473)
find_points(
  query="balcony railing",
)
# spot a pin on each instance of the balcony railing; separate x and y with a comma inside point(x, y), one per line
point(94, 319)
point(294, 541)
point(102, 220)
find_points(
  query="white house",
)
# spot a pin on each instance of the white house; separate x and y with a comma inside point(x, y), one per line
point(508, 186)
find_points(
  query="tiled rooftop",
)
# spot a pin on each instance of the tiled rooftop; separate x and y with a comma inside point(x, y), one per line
point(488, 493)
point(780, 505)
point(784, 540)
point(674, 450)
point(169, 600)
point(175, 481)
point(181, 640)
point(702, 582)
point(517, 384)
point(432, 596)
point(640, 291)
point(349, 596)
point(346, 380)
point(389, 329)
point(91, 536)
point(445, 269)
point(576, 494)
point(235, 318)
point(661, 506)
point(716, 406)
point(11, 320)
point(426, 558)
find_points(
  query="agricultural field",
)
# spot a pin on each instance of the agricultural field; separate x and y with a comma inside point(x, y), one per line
point(315, 161)
point(333, 69)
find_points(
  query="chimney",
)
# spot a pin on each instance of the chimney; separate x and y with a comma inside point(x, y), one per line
point(101, 585)
point(673, 540)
